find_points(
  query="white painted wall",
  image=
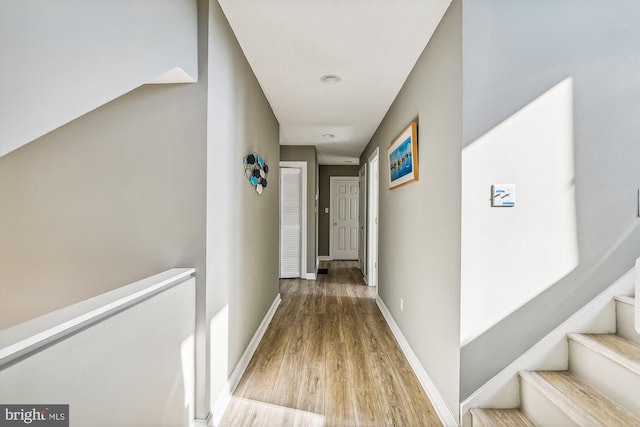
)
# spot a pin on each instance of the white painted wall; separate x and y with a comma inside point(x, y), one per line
point(504, 248)
point(419, 224)
point(242, 227)
point(63, 59)
point(133, 369)
point(550, 104)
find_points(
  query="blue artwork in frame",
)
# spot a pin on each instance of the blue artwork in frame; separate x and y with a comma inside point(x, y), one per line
point(402, 156)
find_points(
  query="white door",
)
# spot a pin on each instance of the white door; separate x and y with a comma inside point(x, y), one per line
point(362, 221)
point(372, 217)
point(290, 221)
point(344, 216)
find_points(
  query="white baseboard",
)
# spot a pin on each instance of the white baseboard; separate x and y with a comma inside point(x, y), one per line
point(201, 423)
point(550, 353)
point(429, 387)
point(310, 276)
point(324, 258)
point(225, 396)
point(223, 400)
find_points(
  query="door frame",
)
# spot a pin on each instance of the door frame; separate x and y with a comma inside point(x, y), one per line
point(362, 244)
point(303, 229)
point(373, 222)
point(331, 180)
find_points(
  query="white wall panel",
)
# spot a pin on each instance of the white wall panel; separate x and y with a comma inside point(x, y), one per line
point(63, 58)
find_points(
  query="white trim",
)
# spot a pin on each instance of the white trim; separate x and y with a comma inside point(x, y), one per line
point(362, 245)
point(440, 406)
point(637, 294)
point(222, 402)
point(324, 258)
point(28, 337)
point(331, 181)
point(235, 376)
point(551, 353)
point(372, 227)
point(225, 396)
point(310, 276)
point(303, 237)
point(201, 422)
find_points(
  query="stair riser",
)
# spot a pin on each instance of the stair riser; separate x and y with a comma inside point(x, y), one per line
point(625, 315)
point(539, 409)
point(610, 378)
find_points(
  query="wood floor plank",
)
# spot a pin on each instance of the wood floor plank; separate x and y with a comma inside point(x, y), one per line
point(242, 413)
point(579, 401)
point(328, 358)
point(311, 395)
point(499, 418)
point(366, 407)
point(338, 405)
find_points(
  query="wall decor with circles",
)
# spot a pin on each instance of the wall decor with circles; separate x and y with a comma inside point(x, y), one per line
point(256, 170)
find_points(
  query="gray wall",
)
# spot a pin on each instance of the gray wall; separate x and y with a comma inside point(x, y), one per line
point(326, 172)
point(514, 53)
point(307, 153)
point(147, 182)
point(110, 198)
point(242, 226)
point(419, 255)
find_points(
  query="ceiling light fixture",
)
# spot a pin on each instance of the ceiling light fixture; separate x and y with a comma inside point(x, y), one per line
point(328, 135)
point(330, 79)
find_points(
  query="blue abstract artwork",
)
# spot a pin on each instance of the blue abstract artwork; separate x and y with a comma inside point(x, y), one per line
point(401, 160)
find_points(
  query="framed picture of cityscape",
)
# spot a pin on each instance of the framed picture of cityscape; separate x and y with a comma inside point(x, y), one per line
point(402, 155)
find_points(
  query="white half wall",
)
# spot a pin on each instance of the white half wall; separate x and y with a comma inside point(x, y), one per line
point(133, 369)
point(64, 58)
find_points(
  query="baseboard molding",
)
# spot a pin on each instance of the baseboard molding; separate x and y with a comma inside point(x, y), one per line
point(440, 406)
point(201, 423)
point(324, 258)
point(225, 396)
point(550, 353)
point(217, 411)
point(310, 276)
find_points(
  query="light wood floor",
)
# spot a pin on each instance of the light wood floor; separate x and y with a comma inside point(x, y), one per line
point(328, 358)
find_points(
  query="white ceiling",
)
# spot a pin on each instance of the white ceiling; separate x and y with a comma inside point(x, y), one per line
point(371, 44)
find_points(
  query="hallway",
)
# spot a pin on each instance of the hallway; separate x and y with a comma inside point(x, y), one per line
point(328, 358)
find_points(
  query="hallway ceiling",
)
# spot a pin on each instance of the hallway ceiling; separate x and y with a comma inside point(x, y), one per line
point(371, 44)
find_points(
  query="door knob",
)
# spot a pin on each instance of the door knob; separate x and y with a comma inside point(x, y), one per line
point(335, 223)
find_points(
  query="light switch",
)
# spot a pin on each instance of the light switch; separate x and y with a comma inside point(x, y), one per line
point(503, 195)
point(326, 210)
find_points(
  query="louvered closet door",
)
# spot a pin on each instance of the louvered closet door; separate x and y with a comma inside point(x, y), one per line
point(290, 221)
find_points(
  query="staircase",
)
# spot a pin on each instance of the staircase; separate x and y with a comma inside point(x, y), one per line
point(600, 388)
